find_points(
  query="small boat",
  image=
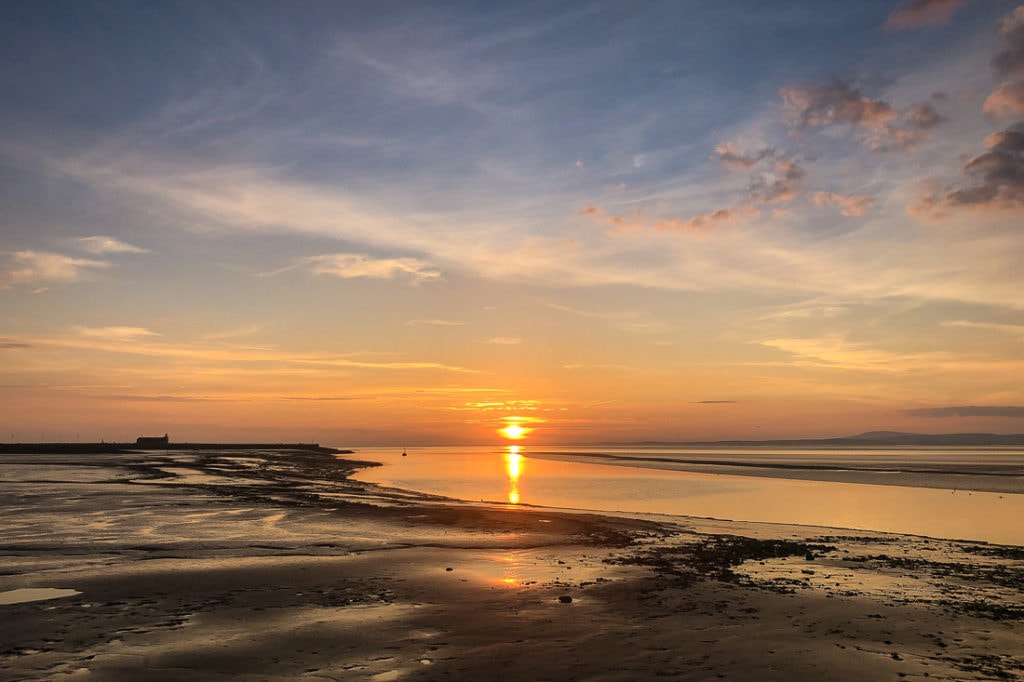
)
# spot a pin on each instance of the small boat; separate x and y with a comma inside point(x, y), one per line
point(404, 453)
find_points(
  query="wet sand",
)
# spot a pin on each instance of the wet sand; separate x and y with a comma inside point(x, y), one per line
point(273, 566)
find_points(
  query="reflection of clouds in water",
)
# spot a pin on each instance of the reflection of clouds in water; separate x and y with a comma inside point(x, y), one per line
point(514, 467)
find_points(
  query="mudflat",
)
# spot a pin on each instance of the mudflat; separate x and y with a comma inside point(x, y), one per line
point(274, 565)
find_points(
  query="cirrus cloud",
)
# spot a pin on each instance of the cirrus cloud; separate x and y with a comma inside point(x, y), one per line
point(121, 334)
point(354, 265)
point(102, 245)
point(45, 266)
point(847, 205)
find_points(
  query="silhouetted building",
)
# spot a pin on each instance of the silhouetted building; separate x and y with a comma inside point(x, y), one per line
point(152, 442)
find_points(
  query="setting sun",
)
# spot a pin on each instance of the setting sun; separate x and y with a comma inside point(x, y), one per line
point(514, 431)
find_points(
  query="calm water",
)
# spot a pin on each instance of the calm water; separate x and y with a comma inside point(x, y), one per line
point(514, 476)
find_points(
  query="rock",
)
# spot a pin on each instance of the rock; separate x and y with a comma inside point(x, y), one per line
point(565, 599)
point(449, 569)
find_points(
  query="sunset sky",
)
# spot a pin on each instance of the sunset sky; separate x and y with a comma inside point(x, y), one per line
point(420, 222)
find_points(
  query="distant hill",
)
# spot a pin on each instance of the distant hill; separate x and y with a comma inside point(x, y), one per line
point(873, 438)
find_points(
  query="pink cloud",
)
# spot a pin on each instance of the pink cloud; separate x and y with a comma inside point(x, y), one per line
point(848, 205)
point(916, 13)
point(1008, 99)
point(880, 126)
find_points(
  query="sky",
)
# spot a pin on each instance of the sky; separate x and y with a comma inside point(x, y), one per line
point(421, 222)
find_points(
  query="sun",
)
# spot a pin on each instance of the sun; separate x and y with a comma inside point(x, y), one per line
point(514, 431)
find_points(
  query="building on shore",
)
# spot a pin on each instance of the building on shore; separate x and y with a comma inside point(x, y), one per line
point(152, 442)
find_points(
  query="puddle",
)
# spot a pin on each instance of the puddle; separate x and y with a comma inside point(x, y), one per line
point(34, 594)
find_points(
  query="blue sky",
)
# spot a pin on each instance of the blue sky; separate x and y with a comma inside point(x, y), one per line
point(657, 220)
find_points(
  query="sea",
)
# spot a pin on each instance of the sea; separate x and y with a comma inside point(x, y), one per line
point(942, 492)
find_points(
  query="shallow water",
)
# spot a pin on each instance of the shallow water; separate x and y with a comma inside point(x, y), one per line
point(504, 475)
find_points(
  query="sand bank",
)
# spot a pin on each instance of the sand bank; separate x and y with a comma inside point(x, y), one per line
point(997, 470)
point(273, 566)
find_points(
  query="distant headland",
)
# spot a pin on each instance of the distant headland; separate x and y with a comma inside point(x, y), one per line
point(870, 438)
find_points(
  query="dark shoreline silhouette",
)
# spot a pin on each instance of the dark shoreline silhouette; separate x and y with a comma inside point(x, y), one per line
point(116, 448)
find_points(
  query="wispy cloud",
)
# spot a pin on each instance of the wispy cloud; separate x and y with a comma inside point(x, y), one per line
point(1012, 411)
point(498, 406)
point(1016, 330)
point(233, 333)
point(504, 341)
point(836, 352)
point(119, 334)
point(917, 13)
point(26, 267)
point(139, 341)
point(847, 205)
point(435, 323)
point(100, 245)
point(352, 265)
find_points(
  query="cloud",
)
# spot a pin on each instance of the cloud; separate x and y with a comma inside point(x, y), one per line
point(730, 155)
point(780, 182)
point(969, 411)
point(101, 245)
point(878, 123)
point(1008, 98)
point(218, 356)
point(711, 220)
point(717, 402)
point(848, 205)
point(353, 265)
point(1011, 329)
point(11, 345)
point(916, 13)
point(997, 178)
point(118, 334)
point(44, 266)
point(504, 341)
point(837, 102)
point(774, 179)
point(1010, 62)
point(922, 116)
point(435, 323)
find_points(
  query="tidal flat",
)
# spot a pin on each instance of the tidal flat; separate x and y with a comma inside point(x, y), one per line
point(274, 565)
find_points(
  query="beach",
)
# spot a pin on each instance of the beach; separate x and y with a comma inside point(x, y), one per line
point(277, 565)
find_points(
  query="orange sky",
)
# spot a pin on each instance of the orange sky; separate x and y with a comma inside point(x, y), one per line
point(681, 221)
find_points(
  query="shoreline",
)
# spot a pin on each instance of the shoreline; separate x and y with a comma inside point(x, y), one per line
point(276, 565)
point(966, 476)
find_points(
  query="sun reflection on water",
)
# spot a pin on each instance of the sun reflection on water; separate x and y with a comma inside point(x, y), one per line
point(514, 467)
